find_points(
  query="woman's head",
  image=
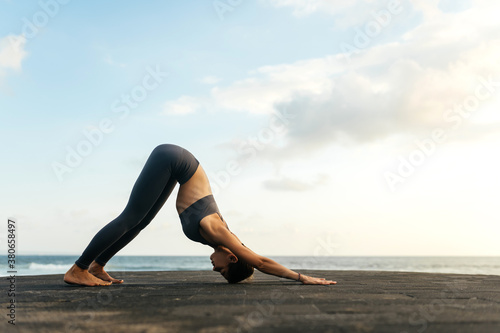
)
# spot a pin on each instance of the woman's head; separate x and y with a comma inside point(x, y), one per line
point(238, 271)
point(232, 269)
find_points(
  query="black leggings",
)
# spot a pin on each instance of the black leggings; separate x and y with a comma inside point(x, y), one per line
point(167, 165)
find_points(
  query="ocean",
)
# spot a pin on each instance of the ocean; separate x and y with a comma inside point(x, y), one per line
point(57, 264)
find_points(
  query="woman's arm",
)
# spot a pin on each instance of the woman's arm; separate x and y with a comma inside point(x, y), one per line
point(225, 238)
point(270, 266)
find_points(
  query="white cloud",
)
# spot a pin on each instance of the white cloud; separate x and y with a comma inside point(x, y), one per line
point(265, 87)
point(397, 88)
point(181, 106)
point(270, 85)
point(386, 90)
point(12, 53)
point(408, 93)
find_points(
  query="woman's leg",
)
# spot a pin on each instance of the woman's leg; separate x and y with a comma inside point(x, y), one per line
point(153, 183)
point(104, 257)
point(96, 268)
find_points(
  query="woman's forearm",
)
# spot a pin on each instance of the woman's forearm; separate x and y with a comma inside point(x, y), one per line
point(271, 267)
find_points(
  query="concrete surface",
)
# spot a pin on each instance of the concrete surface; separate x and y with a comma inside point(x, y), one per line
point(201, 301)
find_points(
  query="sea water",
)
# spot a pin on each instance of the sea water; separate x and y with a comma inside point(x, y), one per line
point(57, 264)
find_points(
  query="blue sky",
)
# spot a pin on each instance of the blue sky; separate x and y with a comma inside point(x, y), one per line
point(326, 127)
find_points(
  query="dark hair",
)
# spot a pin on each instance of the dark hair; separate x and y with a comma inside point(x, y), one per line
point(238, 271)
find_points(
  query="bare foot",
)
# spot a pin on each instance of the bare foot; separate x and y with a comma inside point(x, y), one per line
point(98, 271)
point(77, 275)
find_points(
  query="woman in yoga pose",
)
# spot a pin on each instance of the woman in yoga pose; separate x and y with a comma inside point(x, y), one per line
point(200, 217)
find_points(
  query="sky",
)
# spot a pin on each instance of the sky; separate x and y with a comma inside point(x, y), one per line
point(360, 128)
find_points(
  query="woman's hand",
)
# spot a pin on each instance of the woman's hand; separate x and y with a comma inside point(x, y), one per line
point(312, 280)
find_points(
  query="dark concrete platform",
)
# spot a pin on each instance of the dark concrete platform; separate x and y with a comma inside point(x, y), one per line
point(201, 301)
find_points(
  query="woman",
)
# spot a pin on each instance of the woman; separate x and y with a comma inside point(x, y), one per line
point(199, 214)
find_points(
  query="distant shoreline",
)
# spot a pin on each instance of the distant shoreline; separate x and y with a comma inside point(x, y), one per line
point(58, 264)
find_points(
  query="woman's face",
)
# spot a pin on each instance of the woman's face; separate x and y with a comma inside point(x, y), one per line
point(221, 258)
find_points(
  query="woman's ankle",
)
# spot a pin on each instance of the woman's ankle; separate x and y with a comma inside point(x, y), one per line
point(96, 265)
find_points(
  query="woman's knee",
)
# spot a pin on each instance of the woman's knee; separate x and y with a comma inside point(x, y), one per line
point(128, 219)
